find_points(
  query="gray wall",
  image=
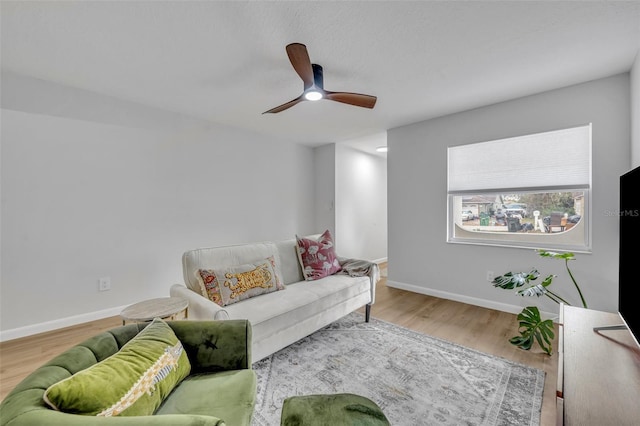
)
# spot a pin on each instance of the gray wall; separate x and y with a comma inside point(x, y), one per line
point(95, 187)
point(325, 188)
point(361, 204)
point(351, 200)
point(419, 258)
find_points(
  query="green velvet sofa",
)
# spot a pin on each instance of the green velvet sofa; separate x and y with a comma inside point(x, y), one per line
point(219, 390)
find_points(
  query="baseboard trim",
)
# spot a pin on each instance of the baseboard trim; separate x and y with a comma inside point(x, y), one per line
point(489, 304)
point(30, 330)
point(381, 260)
point(42, 327)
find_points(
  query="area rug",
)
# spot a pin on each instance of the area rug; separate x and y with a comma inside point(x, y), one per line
point(414, 378)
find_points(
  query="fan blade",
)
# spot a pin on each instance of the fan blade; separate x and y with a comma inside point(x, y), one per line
point(357, 99)
point(300, 61)
point(286, 106)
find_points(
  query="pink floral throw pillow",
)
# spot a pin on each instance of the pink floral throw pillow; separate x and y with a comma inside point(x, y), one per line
point(317, 258)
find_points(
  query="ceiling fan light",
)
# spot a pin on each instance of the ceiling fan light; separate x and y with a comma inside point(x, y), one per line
point(313, 95)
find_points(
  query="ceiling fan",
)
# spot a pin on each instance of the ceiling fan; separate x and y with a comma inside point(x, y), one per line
point(311, 75)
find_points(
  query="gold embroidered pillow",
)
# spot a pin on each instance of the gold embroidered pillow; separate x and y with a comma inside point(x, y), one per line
point(132, 382)
point(228, 285)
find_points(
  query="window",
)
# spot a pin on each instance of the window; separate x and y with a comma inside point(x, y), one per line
point(528, 191)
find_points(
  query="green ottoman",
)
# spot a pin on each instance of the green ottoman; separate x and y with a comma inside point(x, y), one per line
point(338, 409)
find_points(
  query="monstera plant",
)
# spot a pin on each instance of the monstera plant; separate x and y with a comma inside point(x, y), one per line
point(531, 326)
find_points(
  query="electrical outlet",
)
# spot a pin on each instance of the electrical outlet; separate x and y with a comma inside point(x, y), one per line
point(490, 276)
point(104, 284)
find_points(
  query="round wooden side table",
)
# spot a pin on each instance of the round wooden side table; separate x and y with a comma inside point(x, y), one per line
point(163, 307)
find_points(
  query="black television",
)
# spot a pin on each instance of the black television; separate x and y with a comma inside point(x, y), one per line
point(628, 265)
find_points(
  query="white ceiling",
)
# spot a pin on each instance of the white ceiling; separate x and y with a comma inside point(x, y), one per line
point(226, 61)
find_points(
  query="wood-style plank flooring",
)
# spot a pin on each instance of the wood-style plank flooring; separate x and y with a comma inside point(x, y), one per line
point(482, 329)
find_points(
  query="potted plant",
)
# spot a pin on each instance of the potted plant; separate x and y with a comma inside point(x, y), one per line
point(531, 326)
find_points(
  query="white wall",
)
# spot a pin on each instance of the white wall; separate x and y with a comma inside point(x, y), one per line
point(95, 187)
point(635, 112)
point(361, 204)
point(421, 260)
point(325, 188)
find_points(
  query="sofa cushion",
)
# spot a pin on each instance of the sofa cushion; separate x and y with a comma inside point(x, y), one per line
point(133, 381)
point(289, 261)
point(270, 314)
point(228, 395)
point(317, 257)
point(232, 284)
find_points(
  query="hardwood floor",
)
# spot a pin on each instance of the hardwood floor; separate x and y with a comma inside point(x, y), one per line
point(482, 329)
point(19, 357)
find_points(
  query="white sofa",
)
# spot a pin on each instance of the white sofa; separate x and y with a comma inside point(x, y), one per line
point(283, 317)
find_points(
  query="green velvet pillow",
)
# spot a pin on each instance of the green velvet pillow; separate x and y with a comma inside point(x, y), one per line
point(132, 382)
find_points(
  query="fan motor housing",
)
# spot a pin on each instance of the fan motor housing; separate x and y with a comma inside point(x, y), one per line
point(318, 78)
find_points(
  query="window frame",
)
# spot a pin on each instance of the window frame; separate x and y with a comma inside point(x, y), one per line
point(549, 241)
point(562, 241)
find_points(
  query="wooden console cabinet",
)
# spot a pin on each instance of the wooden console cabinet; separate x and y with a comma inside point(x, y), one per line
point(598, 372)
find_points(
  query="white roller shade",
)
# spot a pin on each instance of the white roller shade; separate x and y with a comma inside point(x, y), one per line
point(560, 159)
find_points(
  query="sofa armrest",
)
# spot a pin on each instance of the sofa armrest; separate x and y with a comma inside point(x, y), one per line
point(56, 418)
point(361, 268)
point(215, 345)
point(200, 308)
